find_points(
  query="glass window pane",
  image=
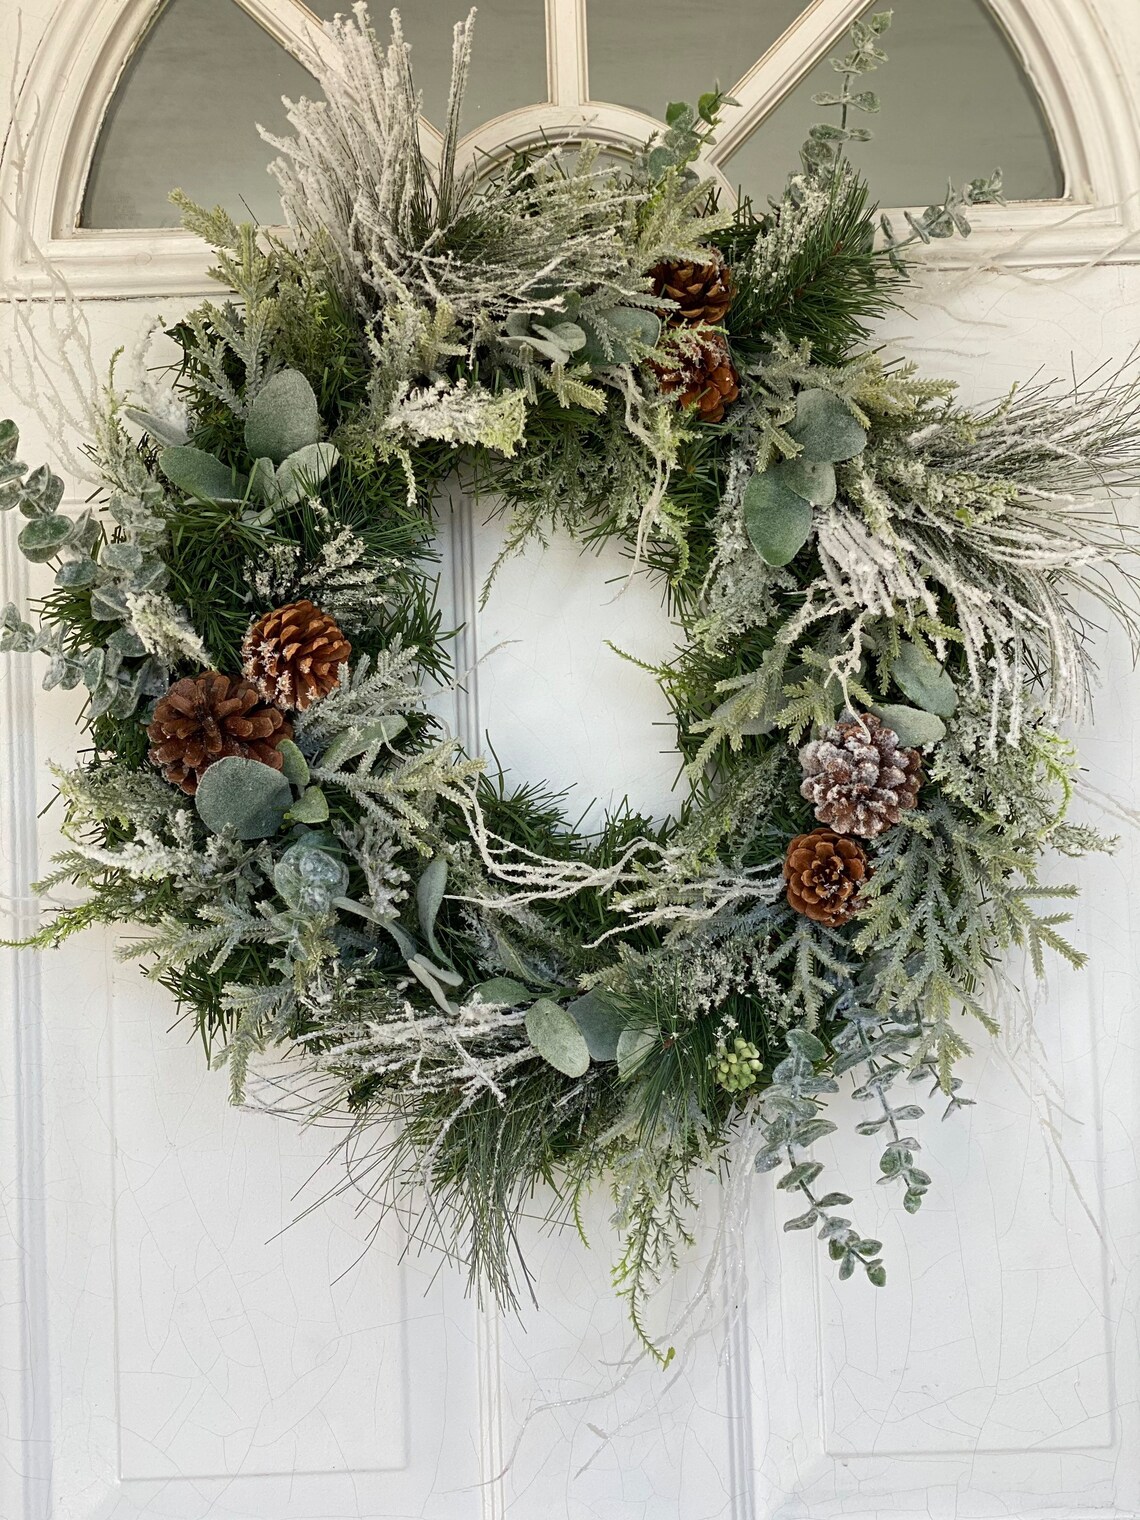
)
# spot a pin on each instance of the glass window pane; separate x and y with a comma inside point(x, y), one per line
point(185, 114)
point(644, 56)
point(508, 67)
point(955, 103)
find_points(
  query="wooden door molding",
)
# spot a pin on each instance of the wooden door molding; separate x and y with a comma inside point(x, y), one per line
point(1066, 50)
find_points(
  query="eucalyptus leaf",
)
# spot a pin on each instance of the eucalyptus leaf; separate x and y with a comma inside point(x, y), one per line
point(777, 518)
point(311, 807)
point(43, 492)
point(633, 1049)
point(76, 574)
point(43, 538)
point(200, 474)
point(825, 428)
point(806, 1044)
point(627, 329)
point(919, 676)
point(245, 795)
point(283, 417)
point(429, 896)
point(9, 439)
point(503, 989)
point(557, 1038)
point(295, 766)
point(108, 604)
point(601, 1025)
point(814, 480)
point(914, 727)
point(125, 644)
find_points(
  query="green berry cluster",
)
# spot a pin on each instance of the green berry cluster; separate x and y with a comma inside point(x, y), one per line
point(739, 1067)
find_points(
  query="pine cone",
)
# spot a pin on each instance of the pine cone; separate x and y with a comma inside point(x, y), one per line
point(293, 655)
point(824, 872)
point(859, 778)
point(704, 377)
point(703, 292)
point(205, 718)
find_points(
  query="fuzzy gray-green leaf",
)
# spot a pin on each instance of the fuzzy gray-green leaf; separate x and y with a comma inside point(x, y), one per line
point(825, 428)
point(245, 795)
point(311, 807)
point(304, 471)
point(557, 1038)
point(429, 896)
point(814, 480)
point(914, 727)
point(777, 518)
point(283, 417)
point(200, 474)
point(503, 989)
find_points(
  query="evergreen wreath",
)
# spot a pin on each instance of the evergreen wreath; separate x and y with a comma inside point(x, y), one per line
point(874, 590)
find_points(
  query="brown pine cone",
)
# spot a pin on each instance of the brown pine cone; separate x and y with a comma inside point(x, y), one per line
point(705, 378)
point(293, 655)
point(205, 718)
point(859, 777)
point(824, 872)
point(703, 292)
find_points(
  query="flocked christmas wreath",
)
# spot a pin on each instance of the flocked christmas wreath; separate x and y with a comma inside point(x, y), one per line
point(876, 649)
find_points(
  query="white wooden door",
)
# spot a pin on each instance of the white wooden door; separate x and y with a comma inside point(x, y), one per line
point(173, 1344)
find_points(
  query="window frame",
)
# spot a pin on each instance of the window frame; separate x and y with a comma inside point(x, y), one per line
point(72, 77)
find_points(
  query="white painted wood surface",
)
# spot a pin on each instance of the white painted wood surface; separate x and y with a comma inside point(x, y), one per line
point(172, 1345)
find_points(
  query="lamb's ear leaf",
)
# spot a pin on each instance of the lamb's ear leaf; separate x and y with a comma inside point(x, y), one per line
point(246, 795)
point(166, 430)
point(200, 474)
point(283, 417)
point(914, 728)
point(429, 895)
point(263, 480)
point(303, 471)
point(776, 518)
point(557, 1038)
point(825, 428)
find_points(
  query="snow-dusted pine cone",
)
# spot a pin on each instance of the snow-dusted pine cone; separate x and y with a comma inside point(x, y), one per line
point(704, 377)
point(205, 718)
point(824, 872)
point(859, 777)
point(293, 655)
point(703, 292)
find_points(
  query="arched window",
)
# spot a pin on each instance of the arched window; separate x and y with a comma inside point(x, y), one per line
point(157, 93)
point(956, 97)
